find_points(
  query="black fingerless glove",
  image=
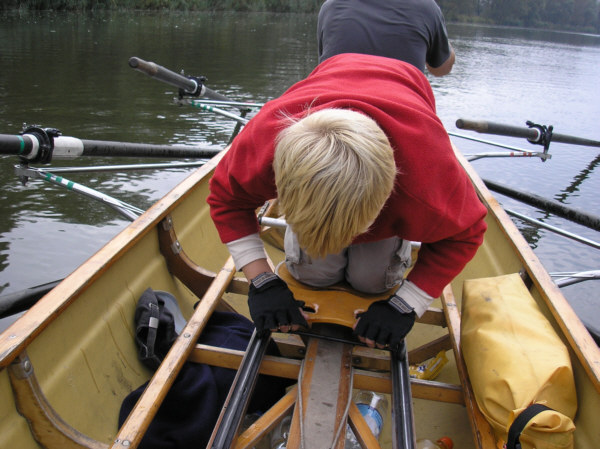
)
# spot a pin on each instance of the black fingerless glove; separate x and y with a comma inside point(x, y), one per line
point(386, 322)
point(272, 304)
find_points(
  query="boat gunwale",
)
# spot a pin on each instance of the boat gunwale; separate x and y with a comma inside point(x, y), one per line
point(23, 331)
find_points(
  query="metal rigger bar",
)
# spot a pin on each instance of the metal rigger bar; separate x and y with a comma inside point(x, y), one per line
point(127, 210)
point(403, 426)
point(240, 393)
point(514, 151)
point(554, 229)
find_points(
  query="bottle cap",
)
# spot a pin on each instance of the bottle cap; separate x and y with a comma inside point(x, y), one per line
point(447, 442)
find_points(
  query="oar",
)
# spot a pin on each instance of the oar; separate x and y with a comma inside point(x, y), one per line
point(575, 215)
point(534, 133)
point(42, 144)
point(16, 302)
point(189, 85)
point(130, 167)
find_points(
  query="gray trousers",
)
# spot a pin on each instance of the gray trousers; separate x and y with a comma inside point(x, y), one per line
point(372, 267)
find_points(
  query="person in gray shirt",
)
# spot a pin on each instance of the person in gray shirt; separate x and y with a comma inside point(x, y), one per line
point(413, 31)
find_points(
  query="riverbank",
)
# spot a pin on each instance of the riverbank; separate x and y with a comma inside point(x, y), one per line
point(298, 6)
point(584, 18)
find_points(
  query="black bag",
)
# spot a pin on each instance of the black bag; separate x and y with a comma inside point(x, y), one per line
point(158, 323)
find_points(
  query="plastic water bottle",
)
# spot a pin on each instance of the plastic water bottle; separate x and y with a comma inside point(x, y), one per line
point(373, 407)
point(281, 433)
point(442, 443)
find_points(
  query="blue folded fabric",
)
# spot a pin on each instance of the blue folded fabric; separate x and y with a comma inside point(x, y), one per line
point(190, 410)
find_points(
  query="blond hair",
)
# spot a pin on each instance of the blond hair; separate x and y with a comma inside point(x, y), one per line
point(334, 170)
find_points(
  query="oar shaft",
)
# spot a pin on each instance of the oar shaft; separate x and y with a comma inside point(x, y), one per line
point(107, 148)
point(532, 134)
point(572, 214)
point(126, 210)
point(65, 147)
point(484, 127)
point(16, 302)
point(21, 145)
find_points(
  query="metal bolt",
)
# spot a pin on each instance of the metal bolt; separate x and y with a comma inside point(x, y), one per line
point(26, 365)
point(176, 247)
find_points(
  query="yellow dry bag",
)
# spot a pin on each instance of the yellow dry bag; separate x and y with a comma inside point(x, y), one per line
point(516, 362)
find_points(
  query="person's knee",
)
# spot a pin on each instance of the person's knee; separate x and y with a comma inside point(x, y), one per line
point(315, 276)
point(379, 266)
point(368, 285)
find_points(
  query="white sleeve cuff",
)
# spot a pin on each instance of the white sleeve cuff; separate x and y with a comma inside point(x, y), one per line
point(246, 249)
point(415, 297)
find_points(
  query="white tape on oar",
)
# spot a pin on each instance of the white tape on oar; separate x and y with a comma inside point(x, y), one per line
point(35, 146)
point(67, 147)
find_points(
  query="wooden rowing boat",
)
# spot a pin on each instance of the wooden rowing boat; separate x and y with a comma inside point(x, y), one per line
point(68, 363)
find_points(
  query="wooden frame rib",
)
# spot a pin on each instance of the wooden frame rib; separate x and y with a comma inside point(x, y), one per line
point(47, 427)
point(196, 278)
point(267, 422)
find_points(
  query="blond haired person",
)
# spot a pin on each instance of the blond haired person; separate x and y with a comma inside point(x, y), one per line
point(334, 170)
point(361, 166)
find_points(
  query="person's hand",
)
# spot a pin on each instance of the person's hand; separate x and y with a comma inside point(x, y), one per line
point(384, 325)
point(273, 306)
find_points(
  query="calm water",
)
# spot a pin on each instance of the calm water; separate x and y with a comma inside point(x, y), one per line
point(70, 72)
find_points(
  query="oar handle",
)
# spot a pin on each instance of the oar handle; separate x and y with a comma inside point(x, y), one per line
point(484, 127)
point(165, 75)
point(189, 85)
point(533, 133)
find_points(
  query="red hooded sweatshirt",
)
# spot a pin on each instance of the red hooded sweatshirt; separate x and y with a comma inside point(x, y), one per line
point(433, 201)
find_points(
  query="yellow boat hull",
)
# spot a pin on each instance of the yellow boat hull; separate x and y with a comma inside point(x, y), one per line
point(79, 338)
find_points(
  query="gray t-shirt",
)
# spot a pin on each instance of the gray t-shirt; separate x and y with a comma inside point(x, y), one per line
point(413, 31)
